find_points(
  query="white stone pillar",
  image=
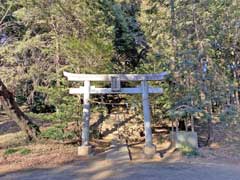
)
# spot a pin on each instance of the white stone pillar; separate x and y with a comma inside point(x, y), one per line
point(86, 114)
point(149, 149)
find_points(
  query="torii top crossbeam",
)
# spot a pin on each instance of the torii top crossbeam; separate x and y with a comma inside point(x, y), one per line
point(108, 77)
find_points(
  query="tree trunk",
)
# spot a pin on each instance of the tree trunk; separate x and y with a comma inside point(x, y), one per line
point(236, 65)
point(174, 37)
point(203, 59)
point(14, 112)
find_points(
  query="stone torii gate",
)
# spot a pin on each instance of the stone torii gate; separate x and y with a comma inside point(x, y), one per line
point(116, 80)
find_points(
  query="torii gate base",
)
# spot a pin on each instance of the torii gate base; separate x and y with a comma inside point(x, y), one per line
point(115, 79)
point(84, 150)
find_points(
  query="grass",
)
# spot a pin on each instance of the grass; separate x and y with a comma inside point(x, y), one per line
point(10, 151)
point(161, 140)
point(22, 151)
point(53, 133)
point(57, 133)
point(43, 116)
point(12, 140)
point(189, 151)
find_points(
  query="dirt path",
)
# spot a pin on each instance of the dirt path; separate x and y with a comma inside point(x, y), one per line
point(179, 171)
point(104, 169)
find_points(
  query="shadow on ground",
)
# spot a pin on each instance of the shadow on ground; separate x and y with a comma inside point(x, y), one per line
point(91, 169)
point(94, 169)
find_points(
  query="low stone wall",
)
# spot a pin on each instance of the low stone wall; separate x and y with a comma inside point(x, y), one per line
point(183, 138)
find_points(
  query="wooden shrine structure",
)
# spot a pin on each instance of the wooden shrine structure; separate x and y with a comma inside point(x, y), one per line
point(115, 80)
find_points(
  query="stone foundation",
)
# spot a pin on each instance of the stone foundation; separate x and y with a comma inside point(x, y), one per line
point(84, 150)
point(149, 151)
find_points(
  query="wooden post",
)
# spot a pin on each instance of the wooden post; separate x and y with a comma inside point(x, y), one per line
point(192, 124)
point(86, 114)
point(177, 125)
point(185, 124)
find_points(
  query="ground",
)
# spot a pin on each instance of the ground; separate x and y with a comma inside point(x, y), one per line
point(95, 169)
point(54, 160)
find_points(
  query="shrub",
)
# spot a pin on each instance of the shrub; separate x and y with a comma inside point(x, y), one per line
point(230, 114)
point(53, 133)
point(57, 133)
point(188, 151)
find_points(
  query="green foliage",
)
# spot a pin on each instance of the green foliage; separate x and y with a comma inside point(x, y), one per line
point(90, 52)
point(67, 107)
point(57, 133)
point(129, 41)
point(161, 139)
point(183, 112)
point(230, 114)
point(22, 151)
point(10, 151)
point(57, 36)
point(53, 133)
point(189, 151)
point(43, 116)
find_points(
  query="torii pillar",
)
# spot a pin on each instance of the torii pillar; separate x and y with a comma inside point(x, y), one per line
point(85, 148)
point(149, 148)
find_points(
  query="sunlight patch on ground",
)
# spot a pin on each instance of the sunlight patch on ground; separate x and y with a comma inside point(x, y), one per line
point(12, 139)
